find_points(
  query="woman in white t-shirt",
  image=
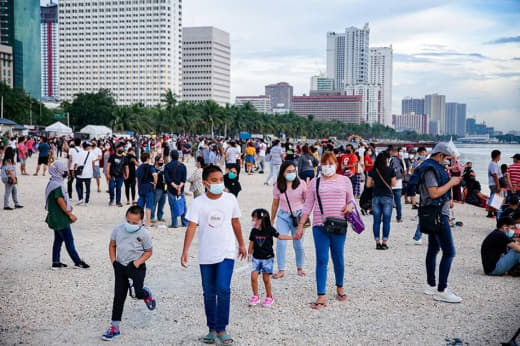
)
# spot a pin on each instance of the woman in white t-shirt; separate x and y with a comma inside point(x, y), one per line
point(85, 159)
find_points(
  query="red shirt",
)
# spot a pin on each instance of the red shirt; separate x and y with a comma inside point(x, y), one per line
point(514, 174)
point(348, 160)
point(368, 163)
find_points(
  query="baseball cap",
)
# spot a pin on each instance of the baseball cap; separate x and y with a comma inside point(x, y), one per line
point(446, 148)
point(516, 156)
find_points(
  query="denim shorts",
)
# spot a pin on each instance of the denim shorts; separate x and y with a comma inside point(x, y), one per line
point(147, 200)
point(262, 265)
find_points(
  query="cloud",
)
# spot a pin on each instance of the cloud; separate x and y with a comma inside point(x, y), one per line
point(471, 55)
point(505, 40)
point(410, 58)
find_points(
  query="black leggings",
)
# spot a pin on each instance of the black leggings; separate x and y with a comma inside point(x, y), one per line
point(70, 181)
point(130, 187)
point(122, 276)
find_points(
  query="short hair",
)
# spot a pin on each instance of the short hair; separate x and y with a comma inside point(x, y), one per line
point(209, 170)
point(157, 158)
point(174, 154)
point(145, 157)
point(120, 145)
point(495, 154)
point(328, 156)
point(516, 215)
point(421, 149)
point(136, 210)
point(513, 200)
point(200, 160)
point(505, 221)
point(77, 141)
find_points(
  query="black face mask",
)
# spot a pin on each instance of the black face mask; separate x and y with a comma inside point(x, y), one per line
point(120, 152)
point(160, 164)
point(65, 174)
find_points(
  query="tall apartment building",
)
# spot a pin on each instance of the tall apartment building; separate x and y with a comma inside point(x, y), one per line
point(49, 51)
point(321, 83)
point(344, 108)
point(455, 119)
point(6, 64)
point(415, 122)
point(7, 22)
point(435, 107)
point(410, 105)
point(281, 95)
point(380, 73)
point(206, 65)
point(132, 48)
point(261, 103)
point(372, 105)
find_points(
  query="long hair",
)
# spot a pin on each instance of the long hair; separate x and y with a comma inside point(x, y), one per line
point(281, 183)
point(263, 216)
point(380, 163)
point(8, 156)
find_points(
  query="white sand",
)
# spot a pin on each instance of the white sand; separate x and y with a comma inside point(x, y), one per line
point(385, 302)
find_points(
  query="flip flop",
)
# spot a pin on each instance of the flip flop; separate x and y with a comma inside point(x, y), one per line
point(459, 223)
point(318, 306)
point(211, 338)
point(278, 276)
point(224, 337)
point(341, 297)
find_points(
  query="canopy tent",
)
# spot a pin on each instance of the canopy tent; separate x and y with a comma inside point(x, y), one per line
point(6, 125)
point(59, 129)
point(97, 131)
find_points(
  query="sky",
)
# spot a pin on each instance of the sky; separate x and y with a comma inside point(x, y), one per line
point(468, 50)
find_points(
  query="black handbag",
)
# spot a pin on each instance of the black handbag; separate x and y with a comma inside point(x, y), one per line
point(430, 219)
point(335, 225)
point(295, 219)
point(79, 169)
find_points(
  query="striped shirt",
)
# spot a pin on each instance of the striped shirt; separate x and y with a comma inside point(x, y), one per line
point(334, 194)
point(514, 174)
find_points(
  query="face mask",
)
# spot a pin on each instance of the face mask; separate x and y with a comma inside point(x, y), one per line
point(160, 164)
point(216, 189)
point(446, 163)
point(65, 174)
point(290, 176)
point(232, 175)
point(328, 170)
point(131, 228)
point(120, 151)
point(510, 233)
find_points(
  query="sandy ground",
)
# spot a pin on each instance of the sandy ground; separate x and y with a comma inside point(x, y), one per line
point(385, 302)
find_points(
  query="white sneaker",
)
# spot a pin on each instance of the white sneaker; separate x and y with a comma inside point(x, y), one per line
point(414, 242)
point(447, 296)
point(430, 290)
point(80, 202)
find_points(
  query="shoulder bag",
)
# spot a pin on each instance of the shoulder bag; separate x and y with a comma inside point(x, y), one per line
point(384, 181)
point(295, 219)
point(79, 169)
point(335, 225)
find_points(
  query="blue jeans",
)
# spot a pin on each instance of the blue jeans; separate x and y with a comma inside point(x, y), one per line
point(171, 202)
point(60, 236)
point(418, 234)
point(284, 226)
point(216, 284)
point(443, 240)
point(115, 183)
point(79, 188)
point(160, 201)
point(324, 241)
point(398, 206)
point(268, 179)
point(382, 208)
point(506, 262)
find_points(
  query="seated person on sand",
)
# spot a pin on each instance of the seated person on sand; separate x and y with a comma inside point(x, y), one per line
point(500, 253)
point(472, 190)
point(509, 208)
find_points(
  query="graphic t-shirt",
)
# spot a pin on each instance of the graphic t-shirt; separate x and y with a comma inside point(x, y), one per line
point(130, 246)
point(492, 249)
point(216, 237)
point(263, 243)
point(116, 165)
point(349, 160)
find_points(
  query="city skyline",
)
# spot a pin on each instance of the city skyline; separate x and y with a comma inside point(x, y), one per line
point(468, 51)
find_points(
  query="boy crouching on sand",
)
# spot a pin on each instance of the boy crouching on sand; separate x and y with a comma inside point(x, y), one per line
point(130, 247)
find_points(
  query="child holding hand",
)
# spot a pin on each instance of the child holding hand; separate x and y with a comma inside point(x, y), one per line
point(261, 254)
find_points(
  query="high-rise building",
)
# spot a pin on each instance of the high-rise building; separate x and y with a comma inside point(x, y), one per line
point(6, 64)
point(343, 108)
point(435, 107)
point(49, 51)
point(455, 119)
point(206, 65)
point(371, 108)
point(321, 83)
point(261, 103)
point(434, 127)
point(281, 96)
point(348, 56)
point(414, 122)
point(471, 126)
point(410, 105)
point(380, 73)
point(7, 22)
point(133, 50)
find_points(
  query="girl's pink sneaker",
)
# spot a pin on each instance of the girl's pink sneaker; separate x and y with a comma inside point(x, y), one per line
point(268, 302)
point(254, 300)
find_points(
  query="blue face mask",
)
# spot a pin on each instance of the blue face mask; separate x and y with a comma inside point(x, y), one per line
point(290, 176)
point(510, 233)
point(132, 228)
point(216, 189)
point(232, 175)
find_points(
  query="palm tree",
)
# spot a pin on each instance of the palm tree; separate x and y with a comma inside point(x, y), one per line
point(210, 113)
point(169, 99)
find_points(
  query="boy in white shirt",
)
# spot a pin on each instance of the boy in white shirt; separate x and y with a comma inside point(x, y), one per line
point(218, 216)
point(84, 159)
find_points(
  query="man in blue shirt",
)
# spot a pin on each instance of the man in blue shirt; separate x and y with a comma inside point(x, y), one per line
point(43, 155)
point(146, 182)
point(175, 177)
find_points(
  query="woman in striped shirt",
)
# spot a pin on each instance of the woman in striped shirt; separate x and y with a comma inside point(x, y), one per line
point(335, 193)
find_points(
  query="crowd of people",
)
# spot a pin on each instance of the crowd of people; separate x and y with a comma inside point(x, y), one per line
point(317, 185)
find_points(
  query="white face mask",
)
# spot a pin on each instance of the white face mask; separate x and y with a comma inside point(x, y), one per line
point(328, 170)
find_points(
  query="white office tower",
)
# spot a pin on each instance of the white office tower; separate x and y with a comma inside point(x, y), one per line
point(206, 65)
point(371, 104)
point(380, 73)
point(348, 56)
point(321, 83)
point(261, 103)
point(132, 48)
point(435, 107)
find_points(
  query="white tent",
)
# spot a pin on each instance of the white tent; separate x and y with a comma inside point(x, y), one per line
point(59, 129)
point(97, 131)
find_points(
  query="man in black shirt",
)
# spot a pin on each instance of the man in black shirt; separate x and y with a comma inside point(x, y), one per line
point(116, 174)
point(500, 253)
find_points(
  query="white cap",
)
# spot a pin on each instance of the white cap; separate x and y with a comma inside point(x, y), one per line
point(446, 148)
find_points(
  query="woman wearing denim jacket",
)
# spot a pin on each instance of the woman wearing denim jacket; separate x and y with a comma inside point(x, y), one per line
point(288, 190)
point(382, 179)
point(337, 199)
